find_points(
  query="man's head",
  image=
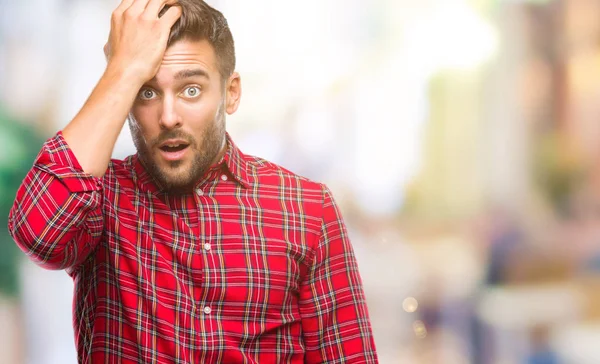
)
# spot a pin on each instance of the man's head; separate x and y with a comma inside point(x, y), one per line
point(199, 21)
point(178, 119)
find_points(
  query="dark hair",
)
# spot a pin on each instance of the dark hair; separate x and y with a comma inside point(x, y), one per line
point(200, 21)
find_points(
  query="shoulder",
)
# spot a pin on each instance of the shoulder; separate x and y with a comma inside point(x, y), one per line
point(267, 174)
point(273, 179)
point(119, 167)
point(121, 170)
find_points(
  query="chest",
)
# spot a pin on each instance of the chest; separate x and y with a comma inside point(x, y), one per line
point(232, 246)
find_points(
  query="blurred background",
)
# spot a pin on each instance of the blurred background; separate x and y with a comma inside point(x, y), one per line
point(461, 139)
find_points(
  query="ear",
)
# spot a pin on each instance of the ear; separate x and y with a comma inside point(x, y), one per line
point(234, 92)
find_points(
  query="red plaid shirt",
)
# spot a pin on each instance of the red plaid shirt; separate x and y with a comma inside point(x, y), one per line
point(254, 267)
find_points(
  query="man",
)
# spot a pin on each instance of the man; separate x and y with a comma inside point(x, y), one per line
point(189, 251)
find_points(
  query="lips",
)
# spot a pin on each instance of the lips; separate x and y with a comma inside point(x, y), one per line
point(173, 150)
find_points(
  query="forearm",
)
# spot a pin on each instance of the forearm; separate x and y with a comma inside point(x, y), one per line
point(92, 134)
point(137, 43)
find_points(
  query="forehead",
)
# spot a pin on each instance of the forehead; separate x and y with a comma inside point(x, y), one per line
point(188, 54)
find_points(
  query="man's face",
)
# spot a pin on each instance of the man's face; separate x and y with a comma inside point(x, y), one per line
point(178, 118)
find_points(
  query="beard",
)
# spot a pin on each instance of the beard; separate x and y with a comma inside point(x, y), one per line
point(172, 178)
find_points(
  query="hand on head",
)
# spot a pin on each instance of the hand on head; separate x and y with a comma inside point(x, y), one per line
point(138, 36)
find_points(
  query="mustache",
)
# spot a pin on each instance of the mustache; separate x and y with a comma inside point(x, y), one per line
point(173, 134)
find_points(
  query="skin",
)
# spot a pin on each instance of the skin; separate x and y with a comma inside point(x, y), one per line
point(185, 101)
point(137, 55)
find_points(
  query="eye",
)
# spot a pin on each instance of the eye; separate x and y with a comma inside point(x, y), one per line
point(191, 92)
point(147, 94)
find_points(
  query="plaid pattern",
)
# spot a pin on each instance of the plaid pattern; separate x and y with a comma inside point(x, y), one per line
point(254, 267)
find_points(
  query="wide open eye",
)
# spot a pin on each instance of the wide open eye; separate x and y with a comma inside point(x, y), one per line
point(191, 92)
point(147, 94)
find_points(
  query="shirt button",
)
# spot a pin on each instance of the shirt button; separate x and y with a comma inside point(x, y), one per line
point(199, 192)
point(207, 310)
point(207, 246)
point(224, 177)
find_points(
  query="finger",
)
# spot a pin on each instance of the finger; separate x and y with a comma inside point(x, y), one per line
point(137, 7)
point(171, 16)
point(124, 5)
point(118, 13)
point(155, 6)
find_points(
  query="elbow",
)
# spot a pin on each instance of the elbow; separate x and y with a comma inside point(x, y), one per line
point(46, 254)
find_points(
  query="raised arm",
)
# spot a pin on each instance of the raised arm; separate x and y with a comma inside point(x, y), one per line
point(56, 218)
point(137, 43)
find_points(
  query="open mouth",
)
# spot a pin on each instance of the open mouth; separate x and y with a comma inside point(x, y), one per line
point(173, 151)
point(173, 148)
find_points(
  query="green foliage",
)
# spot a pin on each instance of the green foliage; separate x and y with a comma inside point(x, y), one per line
point(19, 145)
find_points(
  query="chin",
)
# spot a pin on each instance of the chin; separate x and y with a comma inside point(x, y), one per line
point(176, 186)
point(174, 176)
point(170, 176)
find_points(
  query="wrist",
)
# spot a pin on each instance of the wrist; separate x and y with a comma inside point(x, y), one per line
point(117, 73)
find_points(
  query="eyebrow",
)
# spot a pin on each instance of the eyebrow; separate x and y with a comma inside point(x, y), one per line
point(189, 73)
point(183, 74)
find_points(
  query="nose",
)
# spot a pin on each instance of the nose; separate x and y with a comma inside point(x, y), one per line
point(169, 118)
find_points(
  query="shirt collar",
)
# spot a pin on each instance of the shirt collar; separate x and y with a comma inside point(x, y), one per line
point(234, 161)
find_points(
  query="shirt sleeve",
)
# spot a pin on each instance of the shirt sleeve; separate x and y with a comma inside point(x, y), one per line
point(335, 321)
point(56, 218)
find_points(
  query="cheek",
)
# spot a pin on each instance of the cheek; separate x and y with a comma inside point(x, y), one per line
point(144, 119)
point(199, 115)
